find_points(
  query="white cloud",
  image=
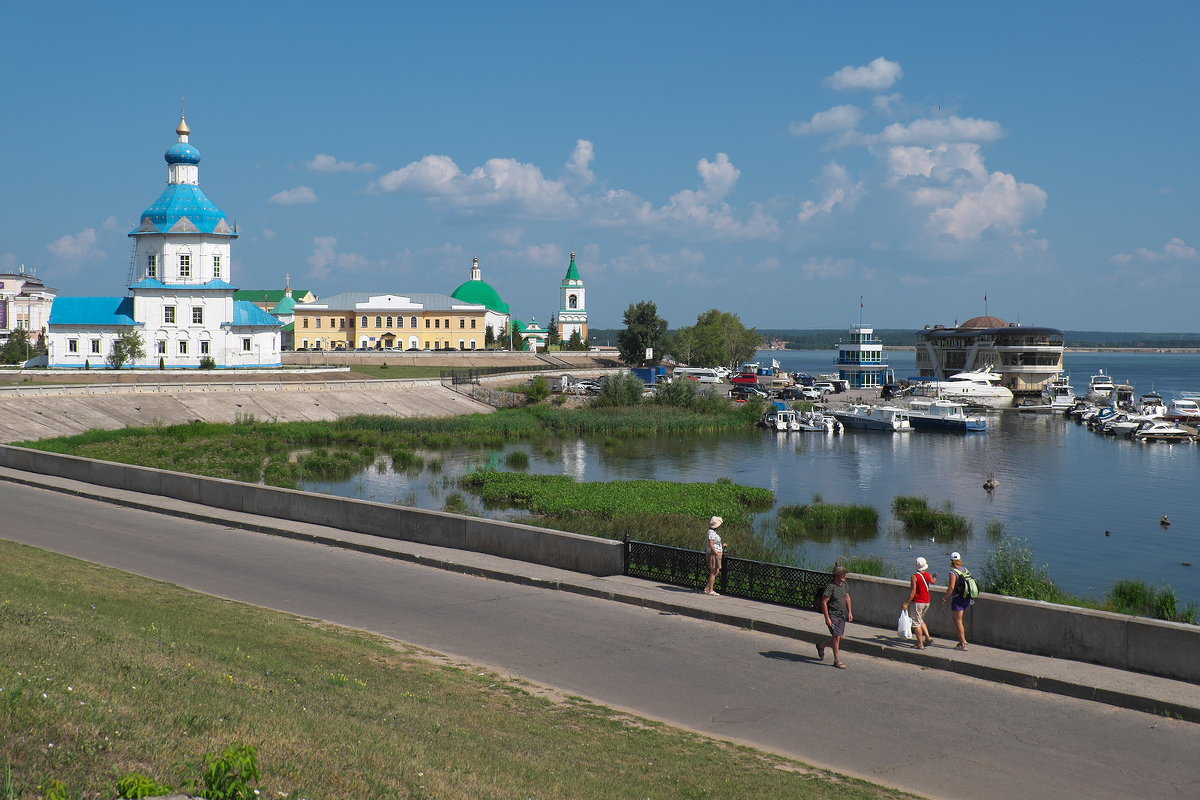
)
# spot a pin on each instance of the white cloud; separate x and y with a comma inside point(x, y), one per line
point(110, 223)
point(880, 74)
point(934, 131)
point(941, 163)
point(838, 118)
point(684, 266)
point(299, 196)
point(325, 260)
point(326, 163)
point(579, 164)
point(1002, 203)
point(74, 248)
point(503, 184)
point(886, 103)
point(838, 189)
point(827, 268)
point(1173, 251)
point(536, 255)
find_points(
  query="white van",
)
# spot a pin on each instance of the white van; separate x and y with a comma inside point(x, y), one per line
point(700, 374)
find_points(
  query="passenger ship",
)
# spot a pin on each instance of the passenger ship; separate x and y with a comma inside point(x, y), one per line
point(1026, 358)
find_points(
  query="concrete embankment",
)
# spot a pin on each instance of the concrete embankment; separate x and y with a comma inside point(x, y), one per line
point(32, 413)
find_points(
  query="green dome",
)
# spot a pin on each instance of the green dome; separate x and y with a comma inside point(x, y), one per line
point(480, 293)
point(285, 306)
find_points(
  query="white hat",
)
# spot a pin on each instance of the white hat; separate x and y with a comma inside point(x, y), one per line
point(922, 564)
point(955, 556)
point(715, 522)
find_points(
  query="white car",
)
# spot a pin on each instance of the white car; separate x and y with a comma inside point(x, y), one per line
point(824, 388)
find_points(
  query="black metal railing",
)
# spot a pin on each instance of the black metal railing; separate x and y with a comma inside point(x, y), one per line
point(740, 577)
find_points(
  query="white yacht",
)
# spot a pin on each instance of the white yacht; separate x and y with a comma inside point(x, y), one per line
point(874, 418)
point(980, 387)
point(816, 420)
point(1100, 388)
point(1059, 394)
point(1184, 408)
point(1162, 431)
point(943, 415)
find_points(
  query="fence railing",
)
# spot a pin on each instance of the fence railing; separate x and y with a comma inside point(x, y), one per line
point(740, 577)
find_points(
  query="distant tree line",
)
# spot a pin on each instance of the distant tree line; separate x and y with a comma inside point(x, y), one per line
point(825, 339)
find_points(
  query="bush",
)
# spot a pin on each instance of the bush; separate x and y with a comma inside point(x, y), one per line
point(539, 390)
point(207, 362)
point(516, 459)
point(1010, 571)
point(622, 389)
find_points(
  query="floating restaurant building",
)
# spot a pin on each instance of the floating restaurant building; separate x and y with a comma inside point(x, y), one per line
point(1027, 358)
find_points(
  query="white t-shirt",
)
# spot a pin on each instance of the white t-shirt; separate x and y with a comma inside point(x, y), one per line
point(714, 539)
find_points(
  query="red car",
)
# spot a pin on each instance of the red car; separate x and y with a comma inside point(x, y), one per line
point(745, 377)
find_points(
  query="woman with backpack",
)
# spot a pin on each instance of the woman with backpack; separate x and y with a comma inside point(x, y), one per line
point(960, 592)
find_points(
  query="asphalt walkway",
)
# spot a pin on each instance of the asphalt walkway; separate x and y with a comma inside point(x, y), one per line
point(1115, 687)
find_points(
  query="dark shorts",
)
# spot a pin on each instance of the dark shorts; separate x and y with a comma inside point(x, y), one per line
point(960, 603)
point(837, 626)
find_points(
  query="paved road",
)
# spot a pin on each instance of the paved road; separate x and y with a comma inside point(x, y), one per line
point(928, 731)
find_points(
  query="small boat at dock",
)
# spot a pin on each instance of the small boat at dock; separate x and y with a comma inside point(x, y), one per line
point(1100, 388)
point(874, 418)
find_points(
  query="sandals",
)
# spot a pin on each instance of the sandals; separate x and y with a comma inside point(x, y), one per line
point(960, 647)
point(840, 665)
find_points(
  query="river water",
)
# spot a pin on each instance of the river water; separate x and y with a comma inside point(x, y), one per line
point(1061, 485)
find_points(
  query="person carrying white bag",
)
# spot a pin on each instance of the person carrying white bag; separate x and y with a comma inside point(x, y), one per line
point(918, 597)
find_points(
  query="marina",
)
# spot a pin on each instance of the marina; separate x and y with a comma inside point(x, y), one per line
point(1060, 486)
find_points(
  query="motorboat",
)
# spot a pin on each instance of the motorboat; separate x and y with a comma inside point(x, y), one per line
point(874, 418)
point(1162, 431)
point(819, 421)
point(980, 387)
point(780, 418)
point(943, 415)
point(1151, 404)
point(1184, 408)
point(1059, 394)
point(1100, 388)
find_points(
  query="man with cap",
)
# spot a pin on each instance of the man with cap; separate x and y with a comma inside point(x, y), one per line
point(918, 598)
point(716, 552)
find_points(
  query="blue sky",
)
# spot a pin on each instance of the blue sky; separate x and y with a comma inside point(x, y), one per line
point(777, 160)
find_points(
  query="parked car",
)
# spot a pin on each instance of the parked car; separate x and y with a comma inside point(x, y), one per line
point(744, 379)
point(797, 393)
point(824, 387)
point(744, 391)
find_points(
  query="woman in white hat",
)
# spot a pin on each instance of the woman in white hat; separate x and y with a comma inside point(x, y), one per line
point(919, 599)
point(716, 552)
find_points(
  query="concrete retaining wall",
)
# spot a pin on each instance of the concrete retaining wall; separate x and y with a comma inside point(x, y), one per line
point(1169, 649)
point(584, 554)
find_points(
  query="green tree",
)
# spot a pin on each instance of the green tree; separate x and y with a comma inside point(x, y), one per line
point(576, 341)
point(682, 345)
point(19, 348)
point(719, 339)
point(489, 337)
point(127, 349)
point(552, 339)
point(644, 329)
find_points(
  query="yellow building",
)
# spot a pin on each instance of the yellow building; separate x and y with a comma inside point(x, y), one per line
point(361, 320)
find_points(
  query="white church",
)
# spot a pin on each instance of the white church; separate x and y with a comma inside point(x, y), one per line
point(180, 295)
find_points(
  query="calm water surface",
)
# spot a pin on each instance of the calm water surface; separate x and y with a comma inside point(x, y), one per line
point(1061, 485)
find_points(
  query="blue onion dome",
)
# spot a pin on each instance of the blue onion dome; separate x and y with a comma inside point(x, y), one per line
point(182, 153)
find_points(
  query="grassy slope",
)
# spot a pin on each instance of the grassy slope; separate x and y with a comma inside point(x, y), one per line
point(104, 673)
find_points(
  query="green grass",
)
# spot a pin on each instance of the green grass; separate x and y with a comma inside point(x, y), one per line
point(562, 494)
point(825, 522)
point(921, 520)
point(105, 674)
point(267, 452)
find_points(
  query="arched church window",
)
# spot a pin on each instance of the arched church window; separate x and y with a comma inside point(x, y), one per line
point(572, 301)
